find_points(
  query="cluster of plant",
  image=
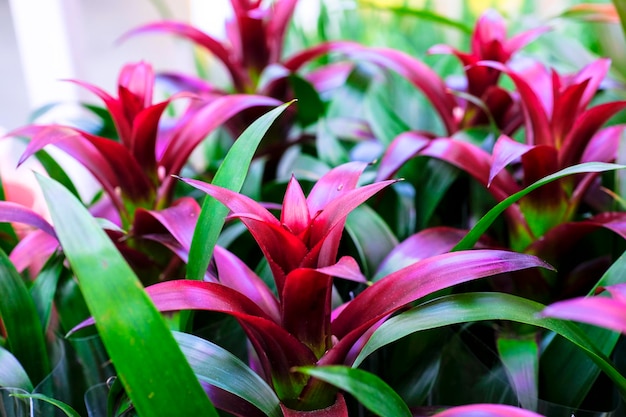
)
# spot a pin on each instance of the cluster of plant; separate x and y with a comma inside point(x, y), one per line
point(291, 244)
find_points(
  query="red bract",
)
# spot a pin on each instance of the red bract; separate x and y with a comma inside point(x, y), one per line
point(298, 327)
point(489, 42)
point(135, 171)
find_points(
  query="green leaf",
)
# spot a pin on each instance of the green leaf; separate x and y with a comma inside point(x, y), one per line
point(150, 364)
point(385, 123)
point(69, 411)
point(219, 367)
point(44, 288)
point(487, 220)
point(231, 174)
point(25, 335)
point(520, 356)
point(310, 106)
point(424, 14)
point(367, 388)
point(55, 171)
point(470, 307)
point(12, 374)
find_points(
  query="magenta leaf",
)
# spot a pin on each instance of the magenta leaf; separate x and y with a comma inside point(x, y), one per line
point(486, 410)
point(16, 213)
point(184, 30)
point(194, 130)
point(404, 147)
point(505, 151)
point(598, 310)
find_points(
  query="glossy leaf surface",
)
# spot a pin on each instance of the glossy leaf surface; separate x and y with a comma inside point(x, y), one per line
point(146, 356)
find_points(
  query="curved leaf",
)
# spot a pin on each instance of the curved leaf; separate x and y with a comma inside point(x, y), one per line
point(483, 224)
point(12, 374)
point(367, 388)
point(68, 410)
point(145, 354)
point(217, 366)
point(25, 335)
point(486, 410)
point(469, 307)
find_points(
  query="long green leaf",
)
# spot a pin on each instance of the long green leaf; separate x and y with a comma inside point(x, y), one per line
point(487, 220)
point(12, 373)
point(231, 174)
point(367, 388)
point(44, 288)
point(152, 367)
point(68, 410)
point(25, 335)
point(217, 366)
point(469, 307)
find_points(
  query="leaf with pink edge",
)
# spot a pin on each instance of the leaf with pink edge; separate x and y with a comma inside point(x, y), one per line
point(486, 410)
point(607, 312)
point(184, 30)
point(16, 213)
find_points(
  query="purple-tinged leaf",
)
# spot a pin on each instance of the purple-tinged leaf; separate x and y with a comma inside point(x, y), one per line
point(592, 75)
point(334, 184)
point(179, 220)
point(109, 161)
point(327, 227)
point(586, 125)
point(473, 160)
point(566, 110)
point(122, 125)
point(330, 77)
point(424, 244)
point(217, 48)
point(188, 136)
point(598, 310)
point(282, 11)
point(300, 59)
point(234, 273)
point(295, 213)
point(414, 282)
point(16, 213)
point(537, 124)
point(33, 250)
point(283, 250)
point(404, 147)
point(603, 145)
point(486, 410)
point(558, 241)
point(520, 40)
point(505, 151)
point(345, 268)
point(215, 365)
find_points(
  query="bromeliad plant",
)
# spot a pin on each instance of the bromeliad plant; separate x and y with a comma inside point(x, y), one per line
point(135, 167)
point(297, 326)
point(327, 293)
